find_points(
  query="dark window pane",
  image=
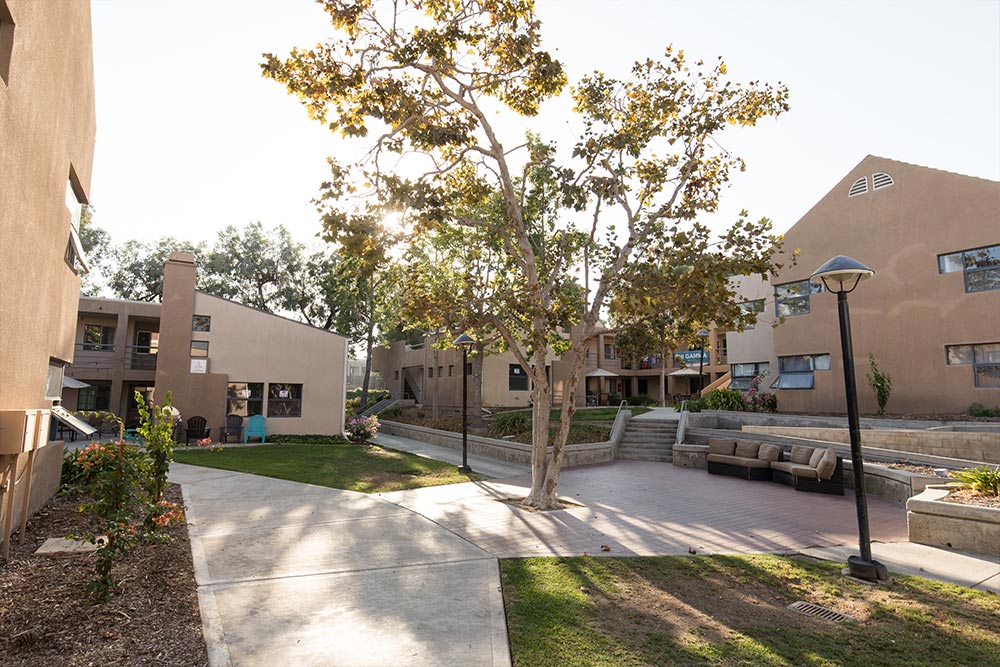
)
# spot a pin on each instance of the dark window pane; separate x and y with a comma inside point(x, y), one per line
point(987, 353)
point(794, 381)
point(988, 375)
point(284, 399)
point(740, 384)
point(981, 281)
point(98, 338)
point(794, 364)
point(201, 323)
point(518, 379)
point(788, 307)
point(982, 258)
point(958, 354)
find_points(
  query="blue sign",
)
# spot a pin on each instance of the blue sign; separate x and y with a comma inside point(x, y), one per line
point(690, 357)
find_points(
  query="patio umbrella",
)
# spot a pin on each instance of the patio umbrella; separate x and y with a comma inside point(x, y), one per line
point(686, 371)
point(601, 373)
point(72, 383)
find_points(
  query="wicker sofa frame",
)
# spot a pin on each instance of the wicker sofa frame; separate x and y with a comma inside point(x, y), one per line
point(833, 486)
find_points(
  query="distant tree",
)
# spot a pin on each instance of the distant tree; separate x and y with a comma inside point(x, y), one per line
point(135, 271)
point(96, 243)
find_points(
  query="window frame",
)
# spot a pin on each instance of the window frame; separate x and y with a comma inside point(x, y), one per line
point(517, 376)
point(759, 368)
point(102, 346)
point(789, 377)
point(963, 264)
point(782, 300)
point(195, 323)
point(233, 398)
point(752, 307)
point(54, 376)
point(978, 367)
point(278, 400)
point(196, 345)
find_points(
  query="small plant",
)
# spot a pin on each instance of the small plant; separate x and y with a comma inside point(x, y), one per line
point(362, 429)
point(393, 412)
point(983, 480)
point(725, 399)
point(512, 423)
point(156, 430)
point(980, 410)
point(880, 382)
point(209, 445)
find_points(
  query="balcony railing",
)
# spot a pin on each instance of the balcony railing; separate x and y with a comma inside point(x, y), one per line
point(100, 357)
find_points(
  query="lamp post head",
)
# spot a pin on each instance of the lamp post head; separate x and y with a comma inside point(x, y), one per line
point(843, 271)
point(464, 341)
point(702, 333)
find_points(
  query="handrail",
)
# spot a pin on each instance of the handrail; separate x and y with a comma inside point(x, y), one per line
point(623, 404)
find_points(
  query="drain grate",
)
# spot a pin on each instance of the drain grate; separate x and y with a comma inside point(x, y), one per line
point(810, 609)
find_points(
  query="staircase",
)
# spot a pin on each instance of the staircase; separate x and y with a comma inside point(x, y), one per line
point(648, 441)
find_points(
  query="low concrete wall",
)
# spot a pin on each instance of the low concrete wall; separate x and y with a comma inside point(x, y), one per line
point(691, 456)
point(936, 523)
point(501, 450)
point(949, 444)
point(736, 420)
point(890, 484)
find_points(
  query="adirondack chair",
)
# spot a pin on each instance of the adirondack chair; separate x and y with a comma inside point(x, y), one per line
point(196, 429)
point(256, 428)
point(233, 427)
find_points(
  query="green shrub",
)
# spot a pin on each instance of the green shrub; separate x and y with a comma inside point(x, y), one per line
point(374, 395)
point(509, 423)
point(980, 410)
point(981, 480)
point(881, 384)
point(724, 399)
point(693, 405)
point(393, 412)
point(309, 439)
point(640, 399)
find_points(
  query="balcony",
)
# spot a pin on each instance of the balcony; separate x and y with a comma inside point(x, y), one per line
point(140, 358)
point(105, 357)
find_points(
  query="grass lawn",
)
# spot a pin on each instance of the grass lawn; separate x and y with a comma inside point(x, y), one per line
point(730, 610)
point(369, 469)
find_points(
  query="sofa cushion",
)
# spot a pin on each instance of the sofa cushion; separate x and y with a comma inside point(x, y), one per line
point(793, 468)
point(747, 450)
point(827, 464)
point(719, 446)
point(816, 456)
point(738, 461)
point(769, 453)
point(801, 454)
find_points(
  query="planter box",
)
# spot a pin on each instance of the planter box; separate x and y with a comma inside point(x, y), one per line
point(691, 456)
point(936, 523)
point(890, 484)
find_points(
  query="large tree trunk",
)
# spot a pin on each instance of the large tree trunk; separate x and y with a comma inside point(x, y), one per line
point(663, 376)
point(551, 484)
point(477, 387)
point(538, 497)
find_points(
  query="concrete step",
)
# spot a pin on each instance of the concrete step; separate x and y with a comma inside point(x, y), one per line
point(646, 446)
point(652, 426)
point(662, 438)
point(645, 456)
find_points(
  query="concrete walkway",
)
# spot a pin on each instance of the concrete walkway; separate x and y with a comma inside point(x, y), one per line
point(659, 414)
point(294, 574)
point(297, 574)
point(480, 464)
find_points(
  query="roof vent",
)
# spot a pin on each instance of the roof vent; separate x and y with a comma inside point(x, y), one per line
point(881, 180)
point(860, 187)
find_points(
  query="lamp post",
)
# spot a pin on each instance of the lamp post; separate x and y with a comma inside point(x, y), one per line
point(841, 275)
point(464, 342)
point(702, 334)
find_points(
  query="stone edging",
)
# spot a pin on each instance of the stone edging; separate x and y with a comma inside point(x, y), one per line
point(936, 523)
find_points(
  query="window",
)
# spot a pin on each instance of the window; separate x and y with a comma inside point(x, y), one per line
point(984, 359)
point(201, 323)
point(518, 379)
point(97, 338)
point(451, 370)
point(796, 372)
point(793, 298)
point(245, 399)
point(74, 257)
point(199, 348)
point(742, 374)
point(284, 399)
point(54, 379)
point(6, 41)
point(147, 342)
point(752, 308)
point(430, 371)
point(94, 397)
point(609, 351)
point(980, 265)
point(440, 371)
point(721, 349)
point(468, 368)
point(395, 375)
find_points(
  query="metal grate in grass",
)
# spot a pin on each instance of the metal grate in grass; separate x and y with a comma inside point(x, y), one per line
point(810, 609)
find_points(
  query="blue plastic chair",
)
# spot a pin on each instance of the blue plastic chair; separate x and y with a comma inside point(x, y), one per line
point(256, 428)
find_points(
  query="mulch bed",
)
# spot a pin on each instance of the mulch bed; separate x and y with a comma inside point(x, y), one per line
point(969, 497)
point(153, 619)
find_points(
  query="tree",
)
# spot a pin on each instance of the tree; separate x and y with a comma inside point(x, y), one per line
point(428, 79)
point(136, 268)
point(880, 382)
point(96, 243)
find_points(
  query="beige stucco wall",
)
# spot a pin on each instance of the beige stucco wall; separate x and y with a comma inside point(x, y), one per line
point(247, 345)
point(754, 345)
point(908, 312)
point(47, 128)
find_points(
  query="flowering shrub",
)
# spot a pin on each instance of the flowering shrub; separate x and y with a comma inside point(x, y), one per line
point(166, 512)
point(360, 429)
point(207, 443)
point(760, 401)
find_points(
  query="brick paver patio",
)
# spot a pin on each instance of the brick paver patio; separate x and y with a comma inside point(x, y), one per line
point(643, 508)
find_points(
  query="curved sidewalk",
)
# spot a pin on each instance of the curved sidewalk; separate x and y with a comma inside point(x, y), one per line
point(295, 574)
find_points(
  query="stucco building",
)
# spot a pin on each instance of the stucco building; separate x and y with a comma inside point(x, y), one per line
point(930, 315)
point(215, 356)
point(47, 131)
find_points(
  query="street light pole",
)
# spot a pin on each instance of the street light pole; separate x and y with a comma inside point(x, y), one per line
point(464, 342)
point(836, 274)
point(702, 334)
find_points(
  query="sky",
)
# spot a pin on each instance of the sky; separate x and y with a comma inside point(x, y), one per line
point(190, 137)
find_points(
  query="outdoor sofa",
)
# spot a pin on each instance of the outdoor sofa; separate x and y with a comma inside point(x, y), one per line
point(814, 469)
